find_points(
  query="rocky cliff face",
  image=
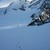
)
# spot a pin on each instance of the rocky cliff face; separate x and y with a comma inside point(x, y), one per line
point(44, 16)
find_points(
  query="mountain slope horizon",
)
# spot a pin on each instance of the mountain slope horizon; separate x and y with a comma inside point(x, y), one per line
point(21, 12)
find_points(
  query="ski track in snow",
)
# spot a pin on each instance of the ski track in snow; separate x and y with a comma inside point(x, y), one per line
point(12, 26)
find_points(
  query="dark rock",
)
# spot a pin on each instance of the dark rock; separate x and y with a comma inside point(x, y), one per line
point(5, 12)
point(22, 8)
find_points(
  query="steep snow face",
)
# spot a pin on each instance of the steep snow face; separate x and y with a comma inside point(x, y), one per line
point(15, 4)
point(19, 12)
point(18, 9)
point(13, 15)
point(23, 5)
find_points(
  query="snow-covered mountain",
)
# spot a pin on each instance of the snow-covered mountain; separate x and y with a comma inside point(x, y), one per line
point(22, 5)
point(20, 11)
point(15, 37)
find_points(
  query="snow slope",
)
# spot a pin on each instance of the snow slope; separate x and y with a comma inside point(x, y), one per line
point(18, 12)
point(16, 35)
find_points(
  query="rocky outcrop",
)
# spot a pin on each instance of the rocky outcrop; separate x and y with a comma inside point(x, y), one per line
point(44, 17)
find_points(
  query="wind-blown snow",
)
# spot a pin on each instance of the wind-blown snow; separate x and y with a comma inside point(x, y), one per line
point(12, 26)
